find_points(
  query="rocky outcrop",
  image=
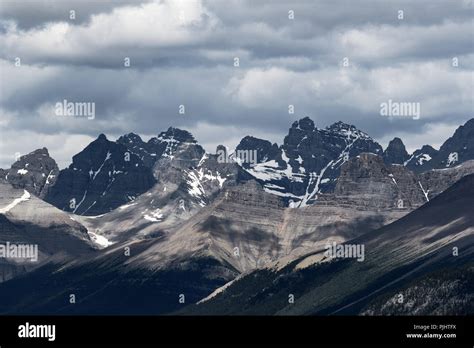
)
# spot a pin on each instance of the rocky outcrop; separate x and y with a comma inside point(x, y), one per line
point(395, 153)
point(366, 181)
point(265, 150)
point(36, 172)
point(156, 147)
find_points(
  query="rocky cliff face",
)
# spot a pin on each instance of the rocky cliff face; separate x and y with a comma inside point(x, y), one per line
point(367, 181)
point(36, 172)
point(102, 177)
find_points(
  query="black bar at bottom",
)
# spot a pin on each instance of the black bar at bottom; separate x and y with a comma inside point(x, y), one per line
point(135, 331)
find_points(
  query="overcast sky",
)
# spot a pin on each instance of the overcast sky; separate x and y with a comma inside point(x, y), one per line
point(184, 53)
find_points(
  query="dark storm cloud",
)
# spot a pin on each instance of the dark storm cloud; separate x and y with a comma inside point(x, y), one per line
point(182, 53)
point(29, 14)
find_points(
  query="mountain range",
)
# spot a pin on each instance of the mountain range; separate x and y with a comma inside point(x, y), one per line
point(130, 225)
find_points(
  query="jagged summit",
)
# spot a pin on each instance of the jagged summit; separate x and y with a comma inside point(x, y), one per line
point(42, 151)
point(340, 125)
point(347, 130)
point(103, 176)
point(36, 172)
point(102, 137)
point(427, 148)
point(395, 153)
point(130, 137)
point(309, 160)
point(420, 158)
point(177, 135)
point(457, 149)
point(305, 124)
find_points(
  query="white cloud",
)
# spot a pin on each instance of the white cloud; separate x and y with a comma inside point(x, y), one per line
point(440, 88)
point(156, 24)
point(61, 146)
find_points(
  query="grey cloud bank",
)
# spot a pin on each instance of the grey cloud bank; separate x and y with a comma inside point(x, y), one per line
point(336, 60)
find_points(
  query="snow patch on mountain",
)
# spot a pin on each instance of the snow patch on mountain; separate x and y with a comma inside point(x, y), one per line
point(99, 240)
point(154, 216)
point(423, 158)
point(425, 192)
point(268, 171)
point(198, 178)
point(195, 186)
point(452, 159)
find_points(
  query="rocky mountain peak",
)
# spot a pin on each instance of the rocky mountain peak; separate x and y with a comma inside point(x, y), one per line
point(305, 124)
point(395, 153)
point(43, 151)
point(101, 177)
point(36, 172)
point(339, 125)
point(420, 158)
point(130, 138)
point(221, 148)
point(427, 149)
point(309, 160)
point(265, 150)
point(177, 134)
point(457, 149)
point(347, 130)
point(148, 152)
